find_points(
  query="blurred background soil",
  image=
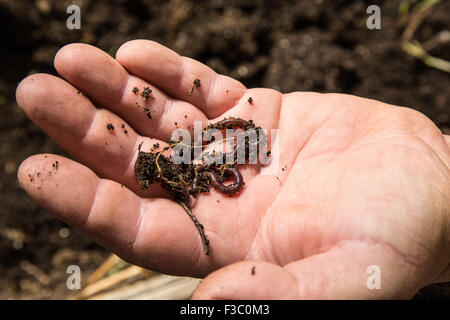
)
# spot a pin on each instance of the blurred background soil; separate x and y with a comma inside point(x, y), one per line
point(319, 45)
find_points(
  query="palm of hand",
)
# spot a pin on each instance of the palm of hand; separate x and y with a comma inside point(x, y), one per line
point(359, 182)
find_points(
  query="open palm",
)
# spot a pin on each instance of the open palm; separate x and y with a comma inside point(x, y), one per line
point(359, 183)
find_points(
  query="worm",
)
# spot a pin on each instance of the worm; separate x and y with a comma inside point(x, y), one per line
point(232, 188)
point(234, 122)
point(229, 189)
point(238, 179)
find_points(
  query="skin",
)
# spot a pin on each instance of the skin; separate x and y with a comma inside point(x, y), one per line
point(365, 183)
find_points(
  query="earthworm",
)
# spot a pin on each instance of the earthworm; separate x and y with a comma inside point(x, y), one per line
point(238, 179)
point(150, 167)
point(230, 189)
point(234, 122)
point(239, 123)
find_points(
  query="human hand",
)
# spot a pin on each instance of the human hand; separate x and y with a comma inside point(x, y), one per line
point(359, 183)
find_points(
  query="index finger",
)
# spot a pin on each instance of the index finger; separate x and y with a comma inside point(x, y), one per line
point(176, 74)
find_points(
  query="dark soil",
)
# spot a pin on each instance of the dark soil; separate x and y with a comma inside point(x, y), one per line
point(320, 45)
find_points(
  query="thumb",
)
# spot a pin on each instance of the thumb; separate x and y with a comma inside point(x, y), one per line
point(246, 280)
point(339, 273)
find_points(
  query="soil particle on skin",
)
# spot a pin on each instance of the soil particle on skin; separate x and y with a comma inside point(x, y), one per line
point(146, 93)
point(253, 270)
point(147, 112)
point(55, 165)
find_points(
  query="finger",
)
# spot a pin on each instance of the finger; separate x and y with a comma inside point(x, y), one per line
point(73, 122)
point(346, 272)
point(109, 85)
point(248, 280)
point(154, 233)
point(175, 75)
point(358, 270)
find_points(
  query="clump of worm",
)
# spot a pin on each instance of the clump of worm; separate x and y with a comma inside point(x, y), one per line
point(187, 180)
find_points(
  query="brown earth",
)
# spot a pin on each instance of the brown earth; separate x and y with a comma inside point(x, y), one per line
point(320, 45)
